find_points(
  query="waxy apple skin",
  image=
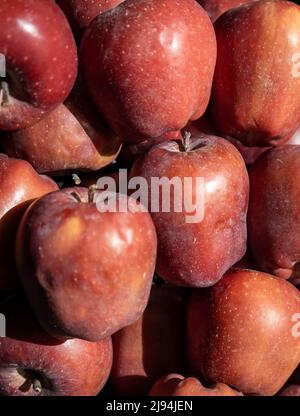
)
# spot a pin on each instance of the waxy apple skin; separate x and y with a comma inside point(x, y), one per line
point(63, 368)
point(87, 274)
point(41, 60)
point(256, 83)
point(158, 72)
point(154, 345)
point(19, 185)
point(273, 219)
point(72, 137)
point(177, 385)
point(240, 332)
point(198, 254)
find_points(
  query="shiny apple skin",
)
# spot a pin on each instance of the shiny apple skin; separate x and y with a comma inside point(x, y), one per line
point(178, 385)
point(158, 72)
point(41, 59)
point(72, 137)
point(273, 219)
point(87, 274)
point(64, 368)
point(198, 254)
point(240, 332)
point(152, 346)
point(19, 184)
point(216, 8)
point(255, 93)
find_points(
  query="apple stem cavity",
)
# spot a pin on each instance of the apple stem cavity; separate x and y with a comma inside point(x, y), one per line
point(4, 95)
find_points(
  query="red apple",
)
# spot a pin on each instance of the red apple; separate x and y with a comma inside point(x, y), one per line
point(273, 211)
point(292, 387)
point(177, 385)
point(291, 390)
point(81, 12)
point(131, 152)
point(255, 90)
point(19, 184)
point(87, 273)
point(154, 345)
point(41, 61)
point(149, 65)
point(241, 332)
point(216, 8)
point(206, 126)
point(32, 363)
point(71, 137)
point(196, 250)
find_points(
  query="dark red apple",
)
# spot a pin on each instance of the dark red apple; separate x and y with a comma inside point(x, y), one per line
point(273, 220)
point(32, 363)
point(242, 332)
point(131, 152)
point(292, 387)
point(41, 61)
point(177, 385)
point(216, 8)
point(19, 184)
point(70, 138)
point(81, 12)
point(149, 65)
point(87, 273)
point(197, 248)
point(206, 126)
point(154, 345)
point(255, 90)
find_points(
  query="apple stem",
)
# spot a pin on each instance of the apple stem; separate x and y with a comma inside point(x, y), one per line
point(37, 386)
point(4, 98)
point(76, 179)
point(92, 190)
point(186, 140)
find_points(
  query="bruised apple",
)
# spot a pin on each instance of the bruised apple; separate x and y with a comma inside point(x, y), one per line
point(87, 271)
point(242, 332)
point(257, 78)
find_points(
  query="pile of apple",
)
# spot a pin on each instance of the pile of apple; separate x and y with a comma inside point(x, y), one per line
point(146, 302)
